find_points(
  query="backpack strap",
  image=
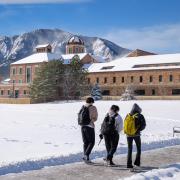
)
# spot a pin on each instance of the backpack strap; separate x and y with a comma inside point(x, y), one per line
point(135, 115)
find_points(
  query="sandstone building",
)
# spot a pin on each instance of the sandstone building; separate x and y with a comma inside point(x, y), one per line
point(150, 75)
point(22, 72)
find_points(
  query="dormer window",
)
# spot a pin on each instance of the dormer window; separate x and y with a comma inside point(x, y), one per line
point(46, 48)
point(107, 67)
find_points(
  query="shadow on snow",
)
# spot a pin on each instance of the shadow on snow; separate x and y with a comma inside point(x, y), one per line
point(72, 158)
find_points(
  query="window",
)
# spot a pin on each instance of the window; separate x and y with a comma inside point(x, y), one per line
point(122, 80)
point(76, 50)
point(139, 92)
point(176, 92)
point(156, 65)
point(160, 78)
point(20, 70)
point(97, 80)
point(140, 79)
point(14, 71)
point(171, 78)
point(16, 93)
point(153, 92)
point(20, 81)
point(114, 79)
point(150, 79)
point(25, 92)
point(28, 75)
point(89, 80)
point(107, 67)
point(2, 92)
point(105, 80)
point(106, 92)
point(70, 50)
point(8, 92)
point(14, 81)
point(132, 79)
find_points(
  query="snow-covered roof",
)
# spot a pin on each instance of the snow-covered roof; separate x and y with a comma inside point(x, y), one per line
point(7, 80)
point(42, 46)
point(70, 56)
point(75, 39)
point(38, 58)
point(165, 61)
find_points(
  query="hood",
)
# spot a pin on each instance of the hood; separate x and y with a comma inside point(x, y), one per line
point(135, 109)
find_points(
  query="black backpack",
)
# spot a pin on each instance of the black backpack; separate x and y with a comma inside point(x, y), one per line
point(108, 125)
point(83, 116)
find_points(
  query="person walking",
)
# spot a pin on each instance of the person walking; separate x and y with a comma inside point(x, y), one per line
point(86, 119)
point(134, 123)
point(110, 129)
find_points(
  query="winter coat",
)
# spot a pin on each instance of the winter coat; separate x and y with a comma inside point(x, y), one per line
point(118, 123)
point(140, 121)
point(93, 114)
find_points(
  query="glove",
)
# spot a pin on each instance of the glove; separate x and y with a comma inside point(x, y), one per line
point(101, 136)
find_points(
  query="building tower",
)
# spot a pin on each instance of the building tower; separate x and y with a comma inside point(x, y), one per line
point(75, 46)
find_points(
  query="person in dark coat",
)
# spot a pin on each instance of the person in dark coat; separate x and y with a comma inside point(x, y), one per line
point(112, 138)
point(140, 124)
point(88, 131)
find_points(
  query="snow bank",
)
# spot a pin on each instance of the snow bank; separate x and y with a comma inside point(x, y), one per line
point(171, 172)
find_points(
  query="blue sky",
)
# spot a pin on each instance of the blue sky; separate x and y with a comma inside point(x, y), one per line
point(152, 25)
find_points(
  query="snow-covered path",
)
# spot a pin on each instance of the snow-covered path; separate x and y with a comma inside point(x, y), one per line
point(153, 159)
point(38, 135)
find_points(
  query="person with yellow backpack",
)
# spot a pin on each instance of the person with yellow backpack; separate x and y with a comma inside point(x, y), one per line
point(134, 123)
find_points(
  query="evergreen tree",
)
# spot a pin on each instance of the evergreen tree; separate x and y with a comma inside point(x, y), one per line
point(48, 82)
point(55, 80)
point(96, 93)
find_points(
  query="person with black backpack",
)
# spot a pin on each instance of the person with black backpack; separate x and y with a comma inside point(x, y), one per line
point(86, 118)
point(110, 129)
point(134, 123)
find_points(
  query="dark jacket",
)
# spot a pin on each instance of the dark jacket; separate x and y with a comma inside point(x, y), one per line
point(140, 121)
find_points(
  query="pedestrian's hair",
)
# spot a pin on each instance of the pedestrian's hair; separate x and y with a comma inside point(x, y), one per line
point(89, 100)
point(115, 108)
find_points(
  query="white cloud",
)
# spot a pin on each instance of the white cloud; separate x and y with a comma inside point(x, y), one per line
point(40, 1)
point(162, 38)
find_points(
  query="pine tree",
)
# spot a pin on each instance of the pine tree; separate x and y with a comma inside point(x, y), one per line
point(96, 93)
point(55, 80)
point(48, 82)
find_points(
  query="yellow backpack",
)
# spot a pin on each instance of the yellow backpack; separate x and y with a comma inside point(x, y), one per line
point(129, 125)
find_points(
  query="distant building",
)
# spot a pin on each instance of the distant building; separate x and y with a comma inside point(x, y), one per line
point(149, 75)
point(75, 45)
point(22, 72)
point(139, 52)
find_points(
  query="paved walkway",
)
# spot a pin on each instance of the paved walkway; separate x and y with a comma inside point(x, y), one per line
point(78, 171)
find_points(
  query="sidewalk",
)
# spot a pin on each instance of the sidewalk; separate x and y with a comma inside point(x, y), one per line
point(79, 171)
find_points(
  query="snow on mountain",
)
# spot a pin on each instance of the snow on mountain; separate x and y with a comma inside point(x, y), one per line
point(20, 46)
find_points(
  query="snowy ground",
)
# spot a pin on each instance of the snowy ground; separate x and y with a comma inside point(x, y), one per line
point(34, 136)
point(171, 172)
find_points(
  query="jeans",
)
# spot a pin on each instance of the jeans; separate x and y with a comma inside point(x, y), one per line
point(137, 161)
point(88, 136)
point(111, 142)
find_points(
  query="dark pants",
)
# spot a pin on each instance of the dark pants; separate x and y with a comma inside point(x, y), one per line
point(137, 161)
point(88, 136)
point(111, 142)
